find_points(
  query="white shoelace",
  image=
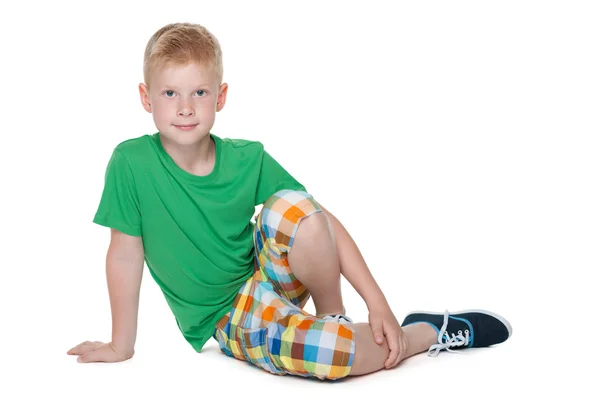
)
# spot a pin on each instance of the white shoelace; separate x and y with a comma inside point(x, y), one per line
point(456, 340)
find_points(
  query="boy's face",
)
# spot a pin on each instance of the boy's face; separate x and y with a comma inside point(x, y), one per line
point(183, 100)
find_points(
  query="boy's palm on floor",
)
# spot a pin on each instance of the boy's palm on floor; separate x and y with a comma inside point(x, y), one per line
point(98, 352)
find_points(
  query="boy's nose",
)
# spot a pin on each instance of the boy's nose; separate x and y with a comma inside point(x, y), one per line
point(186, 111)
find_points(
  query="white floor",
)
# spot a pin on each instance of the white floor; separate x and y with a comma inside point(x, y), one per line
point(544, 357)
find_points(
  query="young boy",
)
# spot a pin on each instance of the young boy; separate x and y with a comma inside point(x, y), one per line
point(182, 200)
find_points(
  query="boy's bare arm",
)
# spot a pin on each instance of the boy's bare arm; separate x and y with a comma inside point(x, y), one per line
point(124, 267)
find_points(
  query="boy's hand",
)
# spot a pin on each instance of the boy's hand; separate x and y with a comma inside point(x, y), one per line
point(384, 324)
point(99, 352)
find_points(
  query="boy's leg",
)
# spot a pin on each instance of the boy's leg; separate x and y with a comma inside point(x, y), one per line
point(309, 254)
point(297, 342)
point(370, 356)
point(287, 215)
point(314, 261)
point(432, 331)
point(291, 228)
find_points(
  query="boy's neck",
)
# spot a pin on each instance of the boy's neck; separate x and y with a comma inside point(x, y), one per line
point(198, 159)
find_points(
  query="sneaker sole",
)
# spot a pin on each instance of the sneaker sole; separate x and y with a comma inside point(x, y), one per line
point(453, 313)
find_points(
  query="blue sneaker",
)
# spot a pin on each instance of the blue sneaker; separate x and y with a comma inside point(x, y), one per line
point(463, 329)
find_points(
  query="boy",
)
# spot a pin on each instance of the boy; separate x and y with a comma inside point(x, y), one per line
point(182, 200)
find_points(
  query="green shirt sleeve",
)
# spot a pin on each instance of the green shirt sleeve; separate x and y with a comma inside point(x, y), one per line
point(273, 177)
point(119, 205)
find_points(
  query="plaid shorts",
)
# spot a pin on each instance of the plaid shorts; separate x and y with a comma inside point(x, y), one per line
point(266, 324)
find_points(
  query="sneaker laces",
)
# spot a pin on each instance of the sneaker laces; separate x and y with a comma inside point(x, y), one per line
point(447, 342)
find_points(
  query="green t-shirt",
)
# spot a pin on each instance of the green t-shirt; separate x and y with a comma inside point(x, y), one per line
point(197, 230)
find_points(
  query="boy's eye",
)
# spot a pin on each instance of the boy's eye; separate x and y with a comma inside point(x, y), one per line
point(171, 93)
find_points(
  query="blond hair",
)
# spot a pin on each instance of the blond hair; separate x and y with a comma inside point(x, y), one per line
point(181, 43)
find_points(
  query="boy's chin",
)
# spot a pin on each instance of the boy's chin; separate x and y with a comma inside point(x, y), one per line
point(184, 138)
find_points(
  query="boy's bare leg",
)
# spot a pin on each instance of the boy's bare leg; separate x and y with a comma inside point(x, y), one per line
point(370, 356)
point(314, 245)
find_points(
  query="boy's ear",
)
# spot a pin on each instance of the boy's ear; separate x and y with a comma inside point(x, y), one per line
point(222, 96)
point(145, 97)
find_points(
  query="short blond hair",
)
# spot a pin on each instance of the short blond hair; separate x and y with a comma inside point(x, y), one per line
point(181, 43)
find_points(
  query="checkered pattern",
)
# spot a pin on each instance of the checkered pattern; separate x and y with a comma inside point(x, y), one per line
point(266, 325)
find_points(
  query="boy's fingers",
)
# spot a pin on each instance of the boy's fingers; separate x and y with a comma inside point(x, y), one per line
point(378, 333)
point(82, 344)
point(403, 345)
point(78, 349)
point(84, 347)
point(92, 356)
point(394, 351)
point(400, 355)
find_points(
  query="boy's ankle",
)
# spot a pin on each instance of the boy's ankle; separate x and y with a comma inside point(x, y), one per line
point(327, 314)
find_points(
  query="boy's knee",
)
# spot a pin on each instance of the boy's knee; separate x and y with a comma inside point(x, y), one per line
point(282, 213)
point(289, 202)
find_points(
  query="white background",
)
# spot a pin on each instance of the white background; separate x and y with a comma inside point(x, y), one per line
point(457, 142)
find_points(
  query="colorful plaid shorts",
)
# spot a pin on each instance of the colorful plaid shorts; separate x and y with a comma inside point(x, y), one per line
point(266, 324)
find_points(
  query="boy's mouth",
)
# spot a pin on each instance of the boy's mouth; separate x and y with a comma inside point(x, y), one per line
point(186, 127)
